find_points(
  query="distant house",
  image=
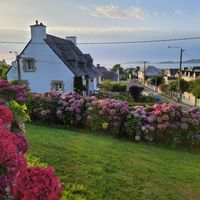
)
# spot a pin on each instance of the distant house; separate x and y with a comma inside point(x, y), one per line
point(135, 71)
point(190, 73)
point(150, 71)
point(107, 74)
point(170, 75)
point(132, 72)
point(49, 63)
point(171, 72)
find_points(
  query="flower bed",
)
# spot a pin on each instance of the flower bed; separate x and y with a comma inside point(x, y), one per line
point(162, 123)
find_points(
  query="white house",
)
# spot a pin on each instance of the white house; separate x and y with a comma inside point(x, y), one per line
point(49, 63)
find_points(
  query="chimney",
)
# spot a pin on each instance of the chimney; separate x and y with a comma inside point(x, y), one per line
point(72, 39)
point(38, 32)
point(98, 65)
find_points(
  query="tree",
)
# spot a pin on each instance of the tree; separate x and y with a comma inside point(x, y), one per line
point(192, 84)
point(196, 91)
point(172, 87)
point(117, 67)
point(184, 86)
point(156, 80)
point(3, 69)
point(163, 87)
point(136, 92)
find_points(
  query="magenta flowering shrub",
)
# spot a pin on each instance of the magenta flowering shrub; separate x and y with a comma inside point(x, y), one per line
point(67, 108)
point(36, 183)
point(171, 124)
point(111, 115)
point(71, 109)
point(43, 107)
point(17, 180)
point(10, 92)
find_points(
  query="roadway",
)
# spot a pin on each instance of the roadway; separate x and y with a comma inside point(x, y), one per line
point(163, 99)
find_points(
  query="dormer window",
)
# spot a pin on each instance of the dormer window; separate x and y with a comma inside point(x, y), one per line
point(29, 64)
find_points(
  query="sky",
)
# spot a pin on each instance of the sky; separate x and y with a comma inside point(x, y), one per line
point(107, 21)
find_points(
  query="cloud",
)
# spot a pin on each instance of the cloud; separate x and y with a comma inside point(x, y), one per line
point(114, 12)
point(98, 30)
point(178, 12)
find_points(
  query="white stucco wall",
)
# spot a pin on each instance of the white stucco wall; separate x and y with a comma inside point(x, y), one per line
point(12, 74)
point(99, 80)
point(92, 85)
point(48, 67)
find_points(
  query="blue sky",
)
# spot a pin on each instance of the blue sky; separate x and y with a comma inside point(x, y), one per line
point(97, 21)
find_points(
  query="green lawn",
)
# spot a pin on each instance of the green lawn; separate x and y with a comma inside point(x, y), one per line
point(98, 166)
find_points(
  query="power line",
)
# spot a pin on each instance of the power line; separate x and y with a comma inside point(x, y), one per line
point(143, 41)
point(112, 42)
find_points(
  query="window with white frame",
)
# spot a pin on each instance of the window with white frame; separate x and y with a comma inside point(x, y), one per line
point(29, 64)
point(57, 86)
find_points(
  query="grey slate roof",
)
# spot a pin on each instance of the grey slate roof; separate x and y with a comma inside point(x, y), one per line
point(152, 71)
point(80, 64)
point(102, 69)
point(108, 75)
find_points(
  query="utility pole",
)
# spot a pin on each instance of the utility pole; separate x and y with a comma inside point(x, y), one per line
point(18, 65)
point(144, 71)
point(18, 68)
point(179, 76)
point(180, 71)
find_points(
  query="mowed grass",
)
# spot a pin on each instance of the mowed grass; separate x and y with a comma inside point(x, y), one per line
point(106, 168)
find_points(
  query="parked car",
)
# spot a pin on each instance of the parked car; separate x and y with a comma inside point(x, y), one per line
point(155, 95)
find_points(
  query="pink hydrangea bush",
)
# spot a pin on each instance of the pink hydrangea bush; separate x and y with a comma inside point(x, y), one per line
point(71, 109)
point(67, 108)
point(16, 179)
point(164, 123)
point(172, 124)
point(10, 92)
point(43, 106)
point(111, 115)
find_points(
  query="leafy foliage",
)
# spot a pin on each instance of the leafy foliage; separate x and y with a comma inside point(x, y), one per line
point(78, 85)
point(113, 86)
point(19, 111)
point(184, 86)
point(136, 92)
point(196, 91)
point(156, 81)
point(3, 70)
point(163, 87)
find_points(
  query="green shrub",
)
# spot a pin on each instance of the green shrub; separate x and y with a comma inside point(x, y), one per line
point(184, 86)
point(15, 82)
point(118, 87)
point(136, 92)
point(156, 81)
point(113, 86)
point(163, 87)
